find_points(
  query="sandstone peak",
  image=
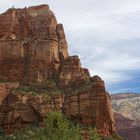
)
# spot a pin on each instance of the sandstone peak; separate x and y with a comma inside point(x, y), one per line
point(35, 44)
point(34, 52)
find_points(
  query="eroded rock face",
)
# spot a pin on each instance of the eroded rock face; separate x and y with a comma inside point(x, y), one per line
point(88, 105)
point(91, 107)
point(127, 114)
point(31, 43)
point(127, 127)
point(33, 51)
point(20, 110)
point(71, 71)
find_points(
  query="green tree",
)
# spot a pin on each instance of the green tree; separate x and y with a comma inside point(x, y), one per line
point(93, 135)
point(60, 128)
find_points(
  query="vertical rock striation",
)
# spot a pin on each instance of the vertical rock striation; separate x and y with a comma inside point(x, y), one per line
point(31, 44)
point(34, 51)
point(91, 107)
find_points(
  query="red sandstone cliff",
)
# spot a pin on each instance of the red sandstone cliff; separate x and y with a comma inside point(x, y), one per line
point(35, 44)
point(33, 52)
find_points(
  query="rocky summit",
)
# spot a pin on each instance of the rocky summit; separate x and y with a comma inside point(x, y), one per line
point(34, 59)
point(32, 45)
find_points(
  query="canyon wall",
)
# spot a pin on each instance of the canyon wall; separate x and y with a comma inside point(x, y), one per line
point(32, 44)
point(34, 53)
point(127, 114)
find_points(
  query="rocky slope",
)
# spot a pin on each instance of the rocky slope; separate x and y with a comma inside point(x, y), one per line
point(34, 60)
point(127, 107)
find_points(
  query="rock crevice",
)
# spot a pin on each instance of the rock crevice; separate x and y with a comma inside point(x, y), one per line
point(34, 52)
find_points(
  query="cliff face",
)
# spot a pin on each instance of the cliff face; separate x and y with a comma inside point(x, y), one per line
point(91, 107)
point(35, 44)
point(33, 52)
point(20, 110)
point(127, 127)
point(127, 116)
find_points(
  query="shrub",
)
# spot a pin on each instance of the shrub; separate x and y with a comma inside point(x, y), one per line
point(56, 127)
point(93, 135)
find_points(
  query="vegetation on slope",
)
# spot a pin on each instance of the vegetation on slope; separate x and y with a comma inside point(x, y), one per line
point(56, 127)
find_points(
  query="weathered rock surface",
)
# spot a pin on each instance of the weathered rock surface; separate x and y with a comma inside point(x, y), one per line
point(33, 52)
point(71, 71)
point(127, 127)
point(127, 116)
point(91, 107)
point(16, 111)
point(88, 105)
point(31, 44)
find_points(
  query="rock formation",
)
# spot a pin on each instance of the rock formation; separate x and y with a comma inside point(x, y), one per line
point(19, 110)
point(91, 107)
point(35, 44)
point(127, 127)
point(33, 52)
point(127, 114)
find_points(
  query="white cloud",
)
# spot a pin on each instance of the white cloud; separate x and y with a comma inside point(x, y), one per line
point(104, 33)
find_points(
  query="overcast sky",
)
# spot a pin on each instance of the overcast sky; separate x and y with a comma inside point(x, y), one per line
point(104, 33)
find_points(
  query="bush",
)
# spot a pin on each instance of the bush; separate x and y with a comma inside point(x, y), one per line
point(93, 134)
point(61, 128)
point(56, 127)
